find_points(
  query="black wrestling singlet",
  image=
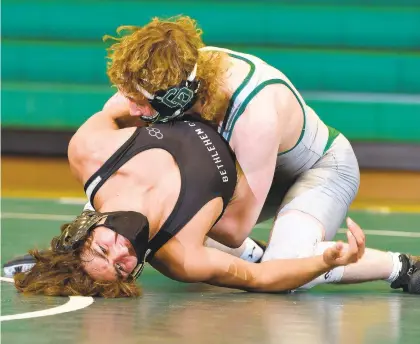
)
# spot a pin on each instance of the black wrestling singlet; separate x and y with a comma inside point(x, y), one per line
point(204, 158)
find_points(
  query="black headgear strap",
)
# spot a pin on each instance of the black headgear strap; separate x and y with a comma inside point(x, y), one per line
point(132, 225)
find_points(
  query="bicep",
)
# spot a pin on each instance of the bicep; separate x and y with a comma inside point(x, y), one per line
point(94, 137)
point(117, 103)
point(114, 115)
point(256, 143)
point(98, 124)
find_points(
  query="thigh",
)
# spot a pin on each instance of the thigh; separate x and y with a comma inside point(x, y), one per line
point(326, 190)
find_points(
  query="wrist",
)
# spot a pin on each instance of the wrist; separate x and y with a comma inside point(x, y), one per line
point(324, 265)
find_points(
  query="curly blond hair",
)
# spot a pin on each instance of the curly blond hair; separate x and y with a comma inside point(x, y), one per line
point(58, 274)
point(163, 53)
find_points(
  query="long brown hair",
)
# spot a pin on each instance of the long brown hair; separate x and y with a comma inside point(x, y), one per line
point(163, 53)
point(58, 274)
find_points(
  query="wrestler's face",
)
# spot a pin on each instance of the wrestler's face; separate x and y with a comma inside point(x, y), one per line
point(109, 256)
point(137, 109)
point(140, 107)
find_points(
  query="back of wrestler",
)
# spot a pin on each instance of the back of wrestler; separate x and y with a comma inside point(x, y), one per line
point(147, 165)
point(178, 175)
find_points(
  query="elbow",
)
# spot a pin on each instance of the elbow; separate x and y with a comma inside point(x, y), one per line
point(234, 240)
point(231, 235)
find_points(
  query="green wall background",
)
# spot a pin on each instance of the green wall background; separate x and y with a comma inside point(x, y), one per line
point(356, 62)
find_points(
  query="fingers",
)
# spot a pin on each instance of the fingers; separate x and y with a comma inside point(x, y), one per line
point(332, 254)
point(356, 246)
point(353, 250)
point(358, 235)
point(336, 250)
point(355, 230)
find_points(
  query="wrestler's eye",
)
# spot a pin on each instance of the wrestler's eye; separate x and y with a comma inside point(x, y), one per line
point(102, 249)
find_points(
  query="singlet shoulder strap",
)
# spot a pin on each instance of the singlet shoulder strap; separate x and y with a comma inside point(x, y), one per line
point(119, 158)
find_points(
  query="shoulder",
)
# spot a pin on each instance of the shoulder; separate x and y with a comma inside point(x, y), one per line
point(260, 120)
point(85, 147)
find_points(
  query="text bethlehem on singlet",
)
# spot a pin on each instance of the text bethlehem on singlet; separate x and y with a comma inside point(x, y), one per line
point(210, 148)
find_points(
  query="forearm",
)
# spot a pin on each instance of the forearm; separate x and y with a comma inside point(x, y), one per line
point(102, 120)
point(288, 274)
point(218, 268)
point(276, 275)
point(113, 112)
point(119, 109)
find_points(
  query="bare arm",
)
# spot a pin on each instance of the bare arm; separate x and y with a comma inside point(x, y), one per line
point(114, 115)
point(118, 103)
point(90, 136)
point(120, 107)
point(271, 276)
point(113, 112)
point(93, 139)
point(255, 140)
point(218, 268)
point(239, 217)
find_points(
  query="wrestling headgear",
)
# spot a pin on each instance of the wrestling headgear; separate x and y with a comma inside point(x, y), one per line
point(132, 225)
point(172, 102)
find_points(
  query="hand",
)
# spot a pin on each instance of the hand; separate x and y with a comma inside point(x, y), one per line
point(338, 256)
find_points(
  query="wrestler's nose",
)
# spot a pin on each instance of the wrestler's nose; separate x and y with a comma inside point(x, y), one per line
point(118, 252)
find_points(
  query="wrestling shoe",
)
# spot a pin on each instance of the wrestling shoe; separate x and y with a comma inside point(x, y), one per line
point(18, 264)
point(409, 276)
point(263, 245)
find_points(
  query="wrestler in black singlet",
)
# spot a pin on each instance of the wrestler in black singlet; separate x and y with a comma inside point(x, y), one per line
point(204, 158)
